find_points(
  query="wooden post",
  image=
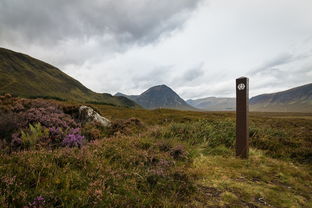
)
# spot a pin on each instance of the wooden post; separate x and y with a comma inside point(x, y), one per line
point(242, 109)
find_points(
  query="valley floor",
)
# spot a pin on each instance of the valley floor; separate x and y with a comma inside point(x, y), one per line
point(167, 158)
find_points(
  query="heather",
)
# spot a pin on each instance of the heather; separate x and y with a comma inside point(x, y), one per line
point(158, 158)
point(27, 123)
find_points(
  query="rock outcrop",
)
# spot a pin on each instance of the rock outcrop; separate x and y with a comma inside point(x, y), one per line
point(87, 114)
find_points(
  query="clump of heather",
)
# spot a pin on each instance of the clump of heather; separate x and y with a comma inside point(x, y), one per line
point(73, 139)
point(56, 136)
point(38, 202)
point(16, 141)
point(127, 127)
point(9, 103)
point(48, 117)
point(8, 124)
point(26, 123)
point(178, 152)
point(47, 113)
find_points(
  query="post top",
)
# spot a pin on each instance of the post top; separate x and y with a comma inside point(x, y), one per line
point(242, 78)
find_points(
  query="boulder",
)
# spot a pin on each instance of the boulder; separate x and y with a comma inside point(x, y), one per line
point(88, 114)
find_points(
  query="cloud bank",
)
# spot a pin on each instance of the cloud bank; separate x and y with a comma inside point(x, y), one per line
point(197, 47)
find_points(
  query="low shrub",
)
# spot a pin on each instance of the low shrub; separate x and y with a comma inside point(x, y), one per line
point(100, 103)
point(8, 125)
point(47, 97)
point(93, 131)
point(25, 123)
point(48, 117)
point(129, 126)
point(34, 135)
point(72, 110)
point(30, 137)
point(56, 135)
point(39, 202)
point(178, 152)
point(73, 139)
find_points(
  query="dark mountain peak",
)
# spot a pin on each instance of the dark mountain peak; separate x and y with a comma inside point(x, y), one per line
point(160, 96)
point(120, 94)
point(161, 86)
point(164, 89)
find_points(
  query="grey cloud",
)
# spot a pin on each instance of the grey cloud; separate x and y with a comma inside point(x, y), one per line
point(158, 75)
point(306, 69)
point(106, 44)
point(271, 64)
point(282, 78)
point(129, 21)
point(281, 59)
point(193, 73)
point(213, 88)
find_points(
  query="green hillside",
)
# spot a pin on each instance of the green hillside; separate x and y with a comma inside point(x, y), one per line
point(298, 99)
point(25, 76)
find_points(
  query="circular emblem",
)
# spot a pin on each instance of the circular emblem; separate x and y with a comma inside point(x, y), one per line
point(241, 86)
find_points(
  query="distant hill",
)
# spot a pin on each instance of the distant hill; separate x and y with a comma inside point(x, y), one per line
point(297, 99)
point(25, 76)
point(131, 97)
point(213, 104)
point(160, 96)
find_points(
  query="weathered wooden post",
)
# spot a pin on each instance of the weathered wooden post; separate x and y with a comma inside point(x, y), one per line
point(242, 109)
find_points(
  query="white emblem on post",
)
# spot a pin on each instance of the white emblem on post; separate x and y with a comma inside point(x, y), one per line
point(241, 86)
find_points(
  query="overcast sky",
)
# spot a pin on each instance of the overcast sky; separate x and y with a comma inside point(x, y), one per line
point(197, 47)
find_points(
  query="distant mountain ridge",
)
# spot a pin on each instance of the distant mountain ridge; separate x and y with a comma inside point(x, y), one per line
point(160, 96)
point(298, 99)
point(131, 97)
point(214, 103)
point(25, 76)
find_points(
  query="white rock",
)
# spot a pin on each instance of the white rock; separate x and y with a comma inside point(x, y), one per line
point(88, 114)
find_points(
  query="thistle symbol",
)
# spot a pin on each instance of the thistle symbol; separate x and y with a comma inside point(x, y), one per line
point(241, 86)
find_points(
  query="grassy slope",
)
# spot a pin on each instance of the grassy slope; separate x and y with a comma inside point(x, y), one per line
point(25, 76)
point(297, 99)
point(214, 104)
point(179, 159)
point(295, 107)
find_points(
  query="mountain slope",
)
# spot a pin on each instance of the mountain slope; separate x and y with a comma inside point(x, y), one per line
point(297, 99)
point(131, 97)
point(25, 76)
point(160, 96)
point(213, 104)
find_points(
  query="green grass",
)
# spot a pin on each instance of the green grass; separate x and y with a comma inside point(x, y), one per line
point(118, 172)
point(170, 159)
point(260, 181)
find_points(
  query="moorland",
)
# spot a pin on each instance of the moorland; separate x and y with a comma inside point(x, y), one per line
point(149, 158)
